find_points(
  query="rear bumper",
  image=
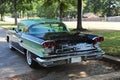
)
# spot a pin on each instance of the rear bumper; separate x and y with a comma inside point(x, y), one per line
point(85, 55)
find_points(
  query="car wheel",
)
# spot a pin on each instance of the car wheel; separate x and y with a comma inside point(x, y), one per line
point(10, 45)
point(30, 61)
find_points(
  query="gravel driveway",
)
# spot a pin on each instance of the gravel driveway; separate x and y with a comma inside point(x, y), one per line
point(13, 67)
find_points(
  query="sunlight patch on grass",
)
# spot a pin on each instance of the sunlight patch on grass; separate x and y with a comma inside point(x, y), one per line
point(7, 25)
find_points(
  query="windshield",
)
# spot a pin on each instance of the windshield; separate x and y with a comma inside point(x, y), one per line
point(47, 27)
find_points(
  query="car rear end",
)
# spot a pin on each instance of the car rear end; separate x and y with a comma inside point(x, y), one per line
point(71, 49)
point(60, 46)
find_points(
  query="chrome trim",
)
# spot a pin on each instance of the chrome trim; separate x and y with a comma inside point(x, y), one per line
point(75, 53)
point(67, 57)
point(24, 36)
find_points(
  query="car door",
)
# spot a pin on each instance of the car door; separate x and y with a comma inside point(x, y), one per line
point(17, 40)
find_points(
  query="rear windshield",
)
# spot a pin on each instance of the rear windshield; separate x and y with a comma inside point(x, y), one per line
point(47, 27)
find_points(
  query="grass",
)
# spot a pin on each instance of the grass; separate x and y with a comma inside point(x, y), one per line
point(7, 25)
point(111, 45)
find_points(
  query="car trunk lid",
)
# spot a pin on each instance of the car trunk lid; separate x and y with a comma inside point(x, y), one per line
point(70, 42)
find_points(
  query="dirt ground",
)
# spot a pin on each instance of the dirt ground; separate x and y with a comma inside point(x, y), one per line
point(68, 72)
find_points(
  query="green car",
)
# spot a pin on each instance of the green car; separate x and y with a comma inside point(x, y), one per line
point(49, 42)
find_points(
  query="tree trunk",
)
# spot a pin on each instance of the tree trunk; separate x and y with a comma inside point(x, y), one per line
point(60, 14)
point(2, 17)
point(79, 17)
point(15, 11)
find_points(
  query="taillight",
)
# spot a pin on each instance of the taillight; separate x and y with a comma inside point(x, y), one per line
point(52, 44)
point(98, 39)
point(48, 44)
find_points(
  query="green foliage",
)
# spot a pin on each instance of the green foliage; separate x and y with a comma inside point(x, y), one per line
point(21, 5)
point(52, 10)
point(103, 7)
point(60, 5)
point(94, 6)
point(111, 7)
point(60, 8)
point(84, 3)
point(3, 8)
point(46, 12)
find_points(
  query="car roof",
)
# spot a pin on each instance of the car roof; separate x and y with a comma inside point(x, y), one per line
point(30, 22)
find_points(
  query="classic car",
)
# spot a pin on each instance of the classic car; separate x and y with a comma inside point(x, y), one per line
point(49, 42)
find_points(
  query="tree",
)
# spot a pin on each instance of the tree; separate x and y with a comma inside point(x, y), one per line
point(20, 5)
point(15, 10)
point(46, 12)
point(94, 6)
point(3, 9)
point(62, 5)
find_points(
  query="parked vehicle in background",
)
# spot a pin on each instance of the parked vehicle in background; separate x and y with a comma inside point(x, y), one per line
point(50, 43)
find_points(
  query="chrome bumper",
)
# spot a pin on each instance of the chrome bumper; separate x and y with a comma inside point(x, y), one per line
point(86, 55)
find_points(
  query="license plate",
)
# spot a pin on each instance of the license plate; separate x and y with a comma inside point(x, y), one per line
point(84, 46)
point(76, 60)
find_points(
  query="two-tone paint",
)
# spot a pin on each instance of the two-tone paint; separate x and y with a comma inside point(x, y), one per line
point(24, 42)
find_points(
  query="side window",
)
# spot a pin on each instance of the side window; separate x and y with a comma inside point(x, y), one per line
point(22, 28)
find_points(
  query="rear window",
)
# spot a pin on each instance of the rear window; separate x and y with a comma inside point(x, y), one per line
point(44, 28)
